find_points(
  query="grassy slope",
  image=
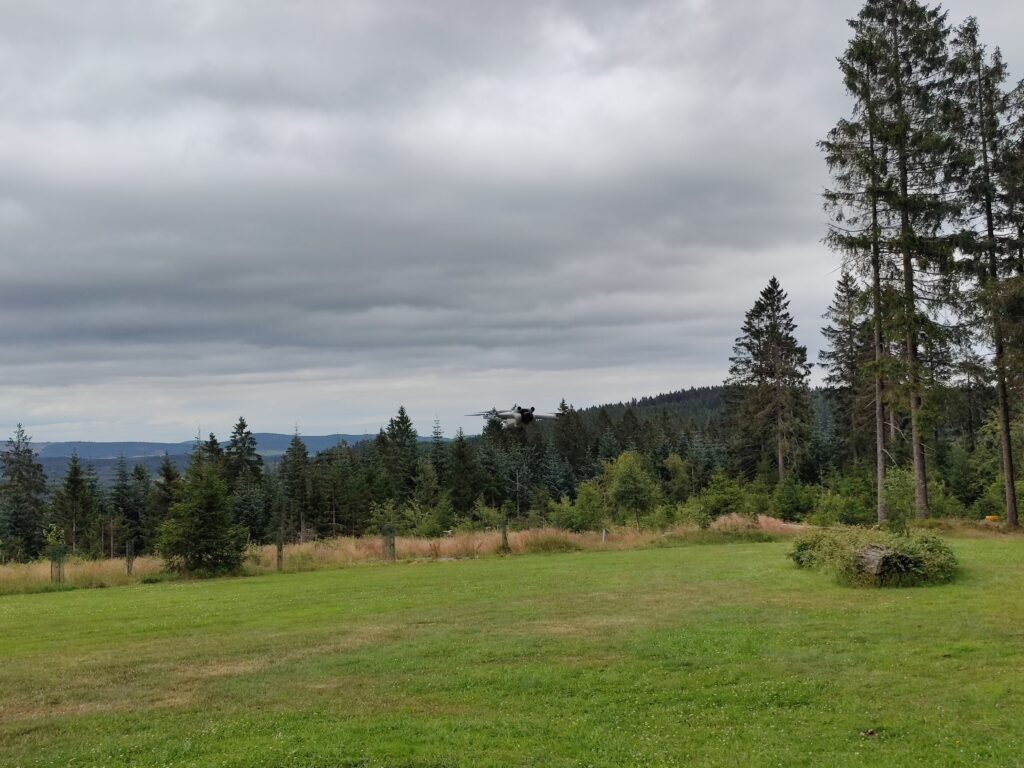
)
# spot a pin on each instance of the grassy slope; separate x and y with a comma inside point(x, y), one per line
point(702, 655)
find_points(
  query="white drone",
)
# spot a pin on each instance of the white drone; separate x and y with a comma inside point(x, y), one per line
point(515, 416)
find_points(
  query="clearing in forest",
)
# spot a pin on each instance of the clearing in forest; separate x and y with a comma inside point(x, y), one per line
point(699, 655)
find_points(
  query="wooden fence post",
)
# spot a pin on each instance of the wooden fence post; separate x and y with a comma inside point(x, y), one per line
point(504, 549)
point(280, 545)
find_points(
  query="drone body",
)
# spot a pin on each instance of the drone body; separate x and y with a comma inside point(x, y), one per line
point(515, 417)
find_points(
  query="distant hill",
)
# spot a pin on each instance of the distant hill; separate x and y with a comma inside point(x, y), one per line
point(268, 444)
point(56, 467)
point(697, 405)
point(103, 457)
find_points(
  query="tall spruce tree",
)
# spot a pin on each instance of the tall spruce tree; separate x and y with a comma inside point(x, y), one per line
point(463, 473)
point(294, 479)
point(913, 98)
point(75, 504)
point(768, 379)
point(400, 453)
point(890, 163)
point(135, 529)
point(984, 111)
point(439, 451)
point(572, 441)
point(161, 496)
point(240, 456)
point(848, 346)
point(120, 509)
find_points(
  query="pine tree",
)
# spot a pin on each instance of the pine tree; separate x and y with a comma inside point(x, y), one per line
point(463, 474)
point(160, 499)
point(249, 508)
point(212, 449)
point(400, 454)
point(495, 462)
point(984, 109)
point(135, 516)
point(22, 498)
point(889, 162)
point(608, 446)
point(75, 505)
point(199, 535)
point(845, 358)
point(768, 379)
point(557, 477)
point(572, 441)
point(428, 490)
point(120, 509)
point(240, 456)
point(439, 452)
point(914, 93)
point(294, 479)
point(629, 430)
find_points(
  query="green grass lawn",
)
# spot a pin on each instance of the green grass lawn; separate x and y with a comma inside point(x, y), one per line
point(697, 655)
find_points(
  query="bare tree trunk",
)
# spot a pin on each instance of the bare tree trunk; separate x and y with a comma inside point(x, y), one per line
point(911, 357)
point(780, 456)
point(998, 332)
point(880, 467)
point(910, 305)
point(1009, 474)
point(280, 544)
point(876, 308)
point(914, 378)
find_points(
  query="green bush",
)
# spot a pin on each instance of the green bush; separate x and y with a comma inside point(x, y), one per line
point(723, 496)
point(815, 549)
point(791, 501)
point(693, 512)
point(585, 514)
point(757, 498)
point(662, 518)
point(902, 561)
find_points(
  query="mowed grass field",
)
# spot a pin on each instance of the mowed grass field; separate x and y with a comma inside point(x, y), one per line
point(720, 655)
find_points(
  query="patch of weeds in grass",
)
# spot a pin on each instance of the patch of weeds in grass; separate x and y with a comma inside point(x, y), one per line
point(713, 536)
point(548, 544)
point(159, 578)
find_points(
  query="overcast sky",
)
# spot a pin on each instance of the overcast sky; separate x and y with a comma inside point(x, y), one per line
point(311, 212)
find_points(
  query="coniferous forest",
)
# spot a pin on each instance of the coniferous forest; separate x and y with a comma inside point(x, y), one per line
point(915, 414)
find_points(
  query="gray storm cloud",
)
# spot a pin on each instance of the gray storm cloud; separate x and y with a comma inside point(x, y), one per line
point(313, 212)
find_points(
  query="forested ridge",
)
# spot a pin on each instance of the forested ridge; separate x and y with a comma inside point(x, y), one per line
point(917, 418)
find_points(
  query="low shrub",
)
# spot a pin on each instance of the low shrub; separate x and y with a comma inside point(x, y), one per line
point(815, 549)
point(693, 512)
point(837, 508)
point(874, 558)
point(792, 501)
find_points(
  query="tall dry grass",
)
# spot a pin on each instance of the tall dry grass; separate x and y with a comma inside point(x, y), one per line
point(78, 572)
point(348, 551)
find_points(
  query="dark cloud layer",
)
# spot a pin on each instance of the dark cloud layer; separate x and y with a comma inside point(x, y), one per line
point(311, 212)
